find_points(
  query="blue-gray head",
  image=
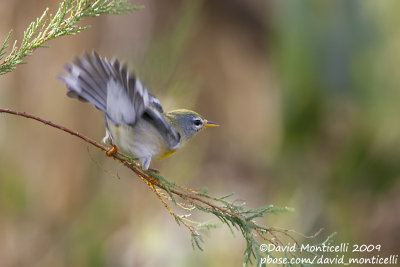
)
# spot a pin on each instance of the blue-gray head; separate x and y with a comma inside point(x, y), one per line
point(188, 122)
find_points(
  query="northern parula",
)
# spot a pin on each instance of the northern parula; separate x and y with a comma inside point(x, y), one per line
point(134, 118)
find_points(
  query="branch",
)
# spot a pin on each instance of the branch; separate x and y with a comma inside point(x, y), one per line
point(64, 22)
point(229, 213)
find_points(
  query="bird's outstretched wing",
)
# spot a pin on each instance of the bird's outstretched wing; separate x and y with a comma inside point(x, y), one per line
point(111, 89)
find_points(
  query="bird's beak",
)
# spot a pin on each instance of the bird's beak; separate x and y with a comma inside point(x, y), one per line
point(211, 124)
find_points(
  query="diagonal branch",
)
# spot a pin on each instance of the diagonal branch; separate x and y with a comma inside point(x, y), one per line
point(233, 215)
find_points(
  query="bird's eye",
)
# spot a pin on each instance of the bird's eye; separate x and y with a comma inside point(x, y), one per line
point(198, 122)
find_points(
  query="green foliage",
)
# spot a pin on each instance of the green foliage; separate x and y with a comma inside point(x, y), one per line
point(232, 214)
point(64, 22)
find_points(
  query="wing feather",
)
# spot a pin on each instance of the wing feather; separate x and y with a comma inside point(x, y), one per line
point(121, 96)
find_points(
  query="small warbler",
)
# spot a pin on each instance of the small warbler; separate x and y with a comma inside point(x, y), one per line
point(134, 118)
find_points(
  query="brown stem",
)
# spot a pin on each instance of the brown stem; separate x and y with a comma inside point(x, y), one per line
point(191, 196)
point(30, 116)
point(151, 182)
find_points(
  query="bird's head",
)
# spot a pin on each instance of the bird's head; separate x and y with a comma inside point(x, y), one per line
point(188, 122)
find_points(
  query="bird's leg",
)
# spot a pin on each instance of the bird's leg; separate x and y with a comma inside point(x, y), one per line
point(145, 162)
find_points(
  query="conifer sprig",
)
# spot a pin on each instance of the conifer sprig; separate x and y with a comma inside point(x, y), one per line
point(63, 22)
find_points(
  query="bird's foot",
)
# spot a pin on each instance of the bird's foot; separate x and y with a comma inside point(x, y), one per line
point(154, 170)
point(112, 150)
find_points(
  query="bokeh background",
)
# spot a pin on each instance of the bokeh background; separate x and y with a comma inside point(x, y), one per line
point(307, 94)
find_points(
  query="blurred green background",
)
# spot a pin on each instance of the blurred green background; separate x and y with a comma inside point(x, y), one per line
point(307, 94)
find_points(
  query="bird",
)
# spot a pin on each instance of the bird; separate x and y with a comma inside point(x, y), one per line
point(135, 121)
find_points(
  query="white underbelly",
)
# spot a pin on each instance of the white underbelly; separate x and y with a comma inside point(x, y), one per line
point(140, 141)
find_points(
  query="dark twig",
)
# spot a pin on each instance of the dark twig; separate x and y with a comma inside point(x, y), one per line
point(233, 215)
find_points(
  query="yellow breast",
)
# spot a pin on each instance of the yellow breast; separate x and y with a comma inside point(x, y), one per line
point(166, 155)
